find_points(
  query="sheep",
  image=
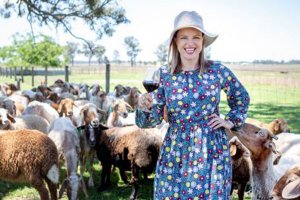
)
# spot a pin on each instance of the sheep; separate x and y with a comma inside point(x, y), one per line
point(288, 143)
point(276, 126)
point(288, 186)
point(9, 105)
point(119, 110)
point(8, 122)
point(64, 135)
point(29, 156)
point(133, 97)
point(260, 143)
point(65, 107)
point(128, 148)
point(88, 114)
point(42, 109)
point(241, 165)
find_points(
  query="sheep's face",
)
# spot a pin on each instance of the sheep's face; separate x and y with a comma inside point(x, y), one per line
point(93, 133)
point(10, 106)
point(279, 126)
point(66, 107)
point(119, 90)
point(5, 119)
point(255, 138)
point(288, 186)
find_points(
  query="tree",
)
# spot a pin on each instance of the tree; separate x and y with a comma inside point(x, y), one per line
point(71, 50)
point(88, 50)
point(117, 57)
point(100, 16)
point(99, 52)
point(162, 53)
point(27, 50)
point(132, 45)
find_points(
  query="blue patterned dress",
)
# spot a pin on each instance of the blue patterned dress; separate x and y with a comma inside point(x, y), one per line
point(194, 161)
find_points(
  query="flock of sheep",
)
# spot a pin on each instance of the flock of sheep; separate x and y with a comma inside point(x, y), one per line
point(46, 128)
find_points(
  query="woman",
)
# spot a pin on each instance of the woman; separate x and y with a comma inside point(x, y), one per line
point(194, 161)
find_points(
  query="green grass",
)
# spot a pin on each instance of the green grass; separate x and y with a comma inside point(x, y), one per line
point(273, 95)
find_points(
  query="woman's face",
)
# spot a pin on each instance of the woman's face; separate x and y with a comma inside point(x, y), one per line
point(189, 43)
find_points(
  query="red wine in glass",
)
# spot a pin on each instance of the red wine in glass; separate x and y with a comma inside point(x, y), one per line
point(150, 86)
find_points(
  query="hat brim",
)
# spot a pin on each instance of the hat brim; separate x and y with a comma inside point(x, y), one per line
point(209, 38)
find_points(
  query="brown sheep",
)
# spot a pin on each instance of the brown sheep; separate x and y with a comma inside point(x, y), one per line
point(241, 165)
point(261, 145)
point(128, 148)
point(30, 156)
point(276, 126)
point(288, 186)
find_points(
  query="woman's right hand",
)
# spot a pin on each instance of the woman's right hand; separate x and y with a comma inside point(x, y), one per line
point(145, 101)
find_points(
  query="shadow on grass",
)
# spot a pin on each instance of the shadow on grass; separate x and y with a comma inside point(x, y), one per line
point(268, 112)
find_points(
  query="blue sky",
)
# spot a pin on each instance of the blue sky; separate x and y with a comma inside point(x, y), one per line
point(248, 29)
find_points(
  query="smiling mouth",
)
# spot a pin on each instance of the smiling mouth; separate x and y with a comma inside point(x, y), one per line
point(190, 50)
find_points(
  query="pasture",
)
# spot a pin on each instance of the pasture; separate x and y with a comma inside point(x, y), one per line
point(274, 92)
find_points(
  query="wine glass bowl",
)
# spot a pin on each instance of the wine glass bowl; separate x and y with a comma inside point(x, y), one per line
point(151, 79)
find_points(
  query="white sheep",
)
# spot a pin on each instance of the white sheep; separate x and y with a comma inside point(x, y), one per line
point(64, 135)
point(42, 109)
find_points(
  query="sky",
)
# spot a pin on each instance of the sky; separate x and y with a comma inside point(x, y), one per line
point(248, 29)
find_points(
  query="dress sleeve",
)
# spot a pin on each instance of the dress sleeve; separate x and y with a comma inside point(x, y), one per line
point(237, 97)
point(155, 116)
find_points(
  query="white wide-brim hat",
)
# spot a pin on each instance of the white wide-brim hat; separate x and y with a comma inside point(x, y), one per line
point(191, 19)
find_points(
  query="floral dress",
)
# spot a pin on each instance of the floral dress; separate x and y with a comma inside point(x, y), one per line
point(194, 161)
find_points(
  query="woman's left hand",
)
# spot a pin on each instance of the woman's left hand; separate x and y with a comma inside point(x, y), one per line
point(217, 122)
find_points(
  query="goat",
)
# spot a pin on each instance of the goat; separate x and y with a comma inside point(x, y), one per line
point(276, 126)
point(64, 135)
point(30, 156)
point(65, 107)
point(288, 186)
point(241, 165)
point(133, 97)
point(119, 109)
point(87, 114)
point(260, 143)
point(42, 109)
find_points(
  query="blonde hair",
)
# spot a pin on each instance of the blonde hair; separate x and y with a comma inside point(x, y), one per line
point(175, 61)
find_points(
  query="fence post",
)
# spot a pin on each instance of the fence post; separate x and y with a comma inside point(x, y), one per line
point(22, 74)
point(10, 72)
point(32, 77)
point(46, 75)
point(107, 75)
point(67, 73)
point(6, 72)
point(19, 83)
point(15, 73)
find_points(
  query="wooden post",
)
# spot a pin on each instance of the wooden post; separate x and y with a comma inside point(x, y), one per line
point(107, 75)
point(10, 72)
point(22, 74)
point(32, 77)
point(46, 75)
point(67, 73)
point(19, 83)
point(6, 72)
point(15, 73)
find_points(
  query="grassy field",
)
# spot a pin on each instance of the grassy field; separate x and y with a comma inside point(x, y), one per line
point(274, 91)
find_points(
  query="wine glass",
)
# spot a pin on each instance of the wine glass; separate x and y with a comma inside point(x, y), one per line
point(151, 79)
point(151, 82)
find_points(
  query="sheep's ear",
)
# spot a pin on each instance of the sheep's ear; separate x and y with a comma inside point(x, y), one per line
point(63, 187)
point(103, 127)
point(271, 145)
point(233, 149)
point(11, 118)
point(291, 190)
point(60, 107)
point(128, 106)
